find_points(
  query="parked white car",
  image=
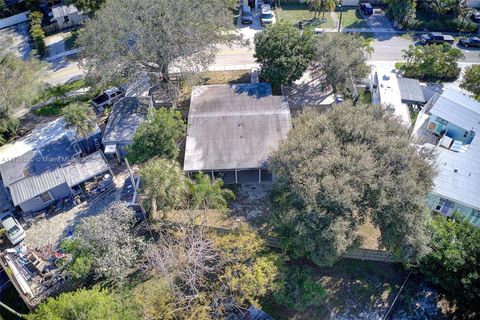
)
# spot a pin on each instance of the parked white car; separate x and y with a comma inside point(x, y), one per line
point(107, 98)
point(13, 229)
point(267, 15)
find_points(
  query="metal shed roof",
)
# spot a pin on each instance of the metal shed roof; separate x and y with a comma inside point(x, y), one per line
point(76, 172)
point(234, 126)
point(411, 91)
point(127, 115)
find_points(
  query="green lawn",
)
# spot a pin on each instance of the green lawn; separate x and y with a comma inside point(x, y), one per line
point(365, 96)
point(294, 13)
point(352, 18)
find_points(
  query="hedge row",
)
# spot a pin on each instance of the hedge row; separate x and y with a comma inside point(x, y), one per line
point(36, 31)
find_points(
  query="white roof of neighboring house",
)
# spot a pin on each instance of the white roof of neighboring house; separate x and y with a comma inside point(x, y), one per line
point(459, 109)
point(390, 95)
point(63, 10)
point(38, 138)
point(459, 172)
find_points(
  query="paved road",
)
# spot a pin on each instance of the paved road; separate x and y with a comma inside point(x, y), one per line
point(388, 47)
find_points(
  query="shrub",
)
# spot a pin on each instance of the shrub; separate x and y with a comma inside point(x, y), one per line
point(37, 33)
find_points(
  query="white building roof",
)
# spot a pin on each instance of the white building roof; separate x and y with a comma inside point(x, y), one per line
point(390, 96)
point(38, 138)
point(459, 172)
point(459, 109)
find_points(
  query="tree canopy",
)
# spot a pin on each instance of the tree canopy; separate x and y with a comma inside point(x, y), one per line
point(471, 80)
point(87, 5)
point(81, 117)
point(337, 168)
point(20, 81)
point(208, 194)
point(437, 62)
point(94, 304)
point(105, 244)
point(163, 183)
point(453, 263)
point(210, 275)
point(283, 52)
point(403, 11)
point(125, 37)
point(341, 58)
point(157, 136)
point(321, 6)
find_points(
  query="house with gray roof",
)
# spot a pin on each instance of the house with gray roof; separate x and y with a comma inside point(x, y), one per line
point(232, 130)
point(47, 165)
point(449, 124)
point(126, 116)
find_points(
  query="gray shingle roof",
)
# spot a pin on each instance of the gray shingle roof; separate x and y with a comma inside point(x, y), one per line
point(234, 126)
point(127, 115)
point(76, 172)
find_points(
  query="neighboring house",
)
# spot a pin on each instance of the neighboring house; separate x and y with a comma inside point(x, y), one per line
point(126, 116)
point(46, 166)
point(66, 16)
point(232, 130)
point(396, 94)
point(449, 124)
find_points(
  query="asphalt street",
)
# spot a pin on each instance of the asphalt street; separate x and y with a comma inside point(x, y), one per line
point(388, 47)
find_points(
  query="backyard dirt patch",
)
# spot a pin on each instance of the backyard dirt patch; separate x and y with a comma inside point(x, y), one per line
point(212, 77)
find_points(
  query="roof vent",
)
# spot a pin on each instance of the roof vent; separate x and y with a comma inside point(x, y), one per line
point(455, 170)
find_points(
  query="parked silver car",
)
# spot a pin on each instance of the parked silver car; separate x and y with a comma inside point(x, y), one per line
point(13, 229)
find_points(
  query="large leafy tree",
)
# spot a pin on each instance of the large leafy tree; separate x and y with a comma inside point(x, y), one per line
point(341, 58)
point(453, 263)
point(105, 245)
point(471, 80)
point(94, 304)
point(337, 168)
point(441, 7)
point(159, 135)
point(403, 11)
point(432, 62)
point(164, 185)
point(158, 37)
point(19, 86)
point(212, 275)
point(283, 52)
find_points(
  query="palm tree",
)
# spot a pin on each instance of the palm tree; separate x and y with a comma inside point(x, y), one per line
point(440, 7)
point(81, 117)
point(208, 194)
point(321, 5)
point(163, 184)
